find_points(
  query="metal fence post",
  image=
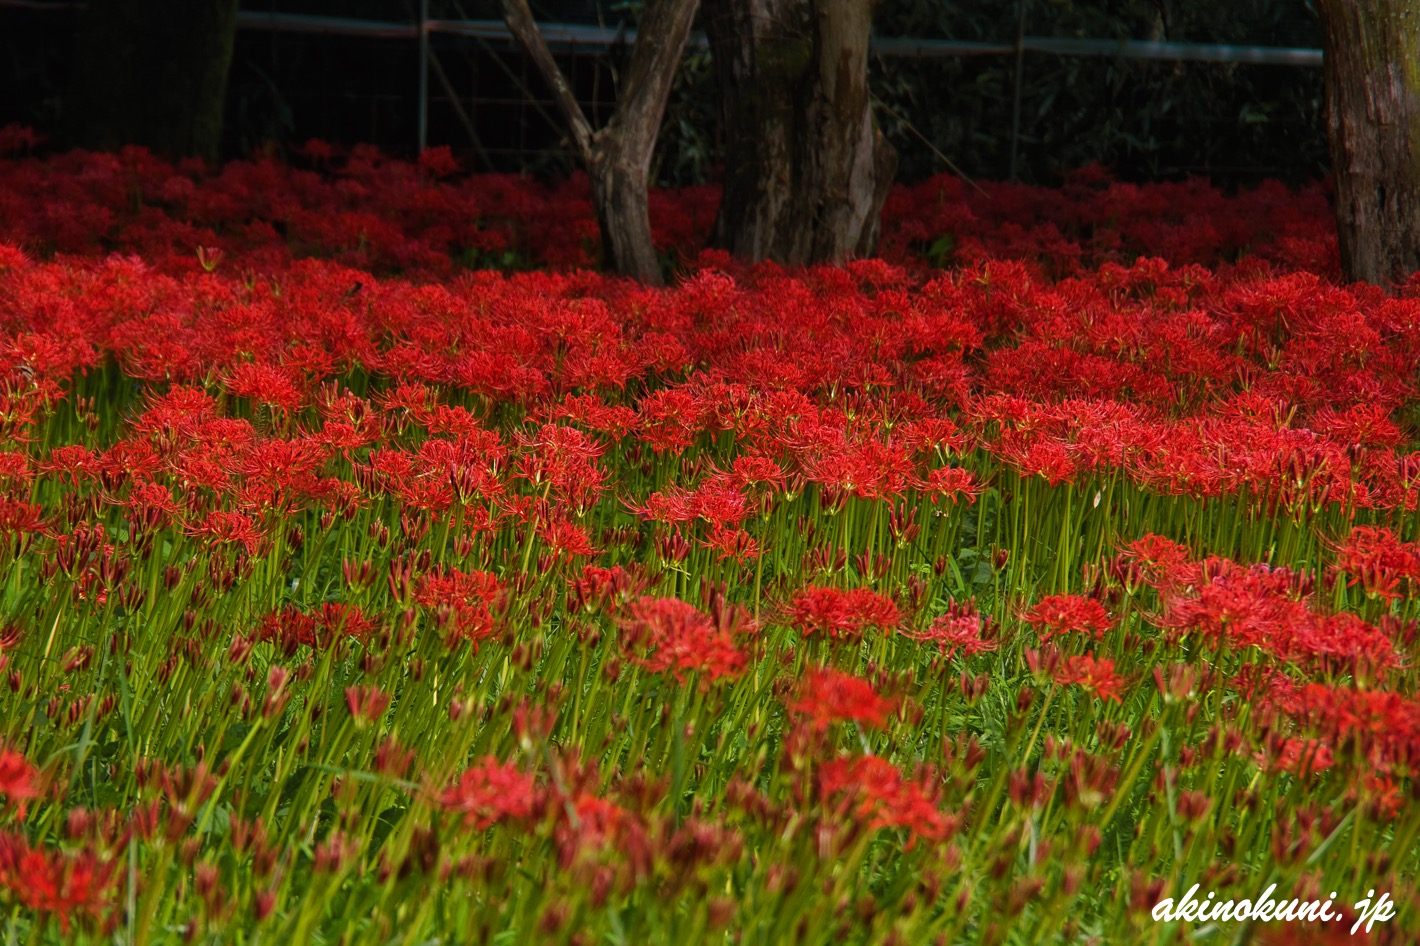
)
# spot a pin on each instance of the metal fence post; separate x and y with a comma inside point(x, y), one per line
point(1016, 96)
point(423, 75)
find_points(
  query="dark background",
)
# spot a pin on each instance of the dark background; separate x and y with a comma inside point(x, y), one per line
point(1234, 123)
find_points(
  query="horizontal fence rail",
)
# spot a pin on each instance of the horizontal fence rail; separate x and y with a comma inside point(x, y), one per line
point(601, 39)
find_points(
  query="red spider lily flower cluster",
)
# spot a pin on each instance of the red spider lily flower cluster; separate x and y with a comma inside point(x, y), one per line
point(70, 887)
point(1055, 615)
point(837, 612)
point(828, 696)
point(963, 629)
point(877, 792)
point(490, 792)
point(666, 634)
point(1094, 674)
point(20, 780)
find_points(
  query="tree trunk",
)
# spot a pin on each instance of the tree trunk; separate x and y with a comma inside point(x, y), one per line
point(806, 169)
point(620, 191)
point(152, 73)
point(618, 157)
point(1373, 117)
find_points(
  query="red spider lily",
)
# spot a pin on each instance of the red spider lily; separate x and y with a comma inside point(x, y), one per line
point(1263, 607)
point(563, 462)
point(1048, 459)
point(750, 471)
point(291, 628)
point(1384, 726)
point(666, 634)
point(961, 630)
point(876, 791)
point(590, 411)
point(367, 703)
point(266, 384)
point(1361, 425)
point(608, 588)
point(589, 825)
point(672, 506)
point(223, 526)
point(937, 435)
point(566, 539)
point(17, 518)
point(472, 598)
point(1301, 757)
point(284, 466)
point(839, 613)
point(490, 792)
point(177, 413)
point(1055, 615)
point(19, 779)
point(1095, 675)
point(866, 468)
point(76, 462)
point(470, 463)
point(670, 419)
point(1374, 558)
point(827, 696)
point(719, 504)
point(952, 483)
point(736, 544)
point(1158, 558)
point(151, 504)
point(68, 886)
point(438, 162)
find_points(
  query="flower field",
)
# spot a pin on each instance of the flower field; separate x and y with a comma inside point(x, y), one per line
point(990, 592)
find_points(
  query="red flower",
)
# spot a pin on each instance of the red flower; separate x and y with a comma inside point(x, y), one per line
point(69, 886)
point(666, 634)
point(222, 526)
point(1267, 608)
point(19, 779)
point(291, 628)
point(600, 588)
point(266, 384)
point(828, 696)
point(367, 703)
point(876, 791)
point(471, 598)
point(1381, 563)
point(1092, 674)
point(734, 544)
point(960, 629)
point(563, 462)
point(840, 613)
point(20, 517)
point(1302, 757)
point(1068, 614)
point(952, 483)
point(1159, 558)
point(565, 538)
point(490, 792)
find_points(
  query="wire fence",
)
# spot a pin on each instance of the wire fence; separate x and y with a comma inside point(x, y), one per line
point(581, 40)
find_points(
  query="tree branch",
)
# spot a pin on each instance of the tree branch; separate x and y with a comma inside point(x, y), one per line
point(661, 36)
point(521, 24)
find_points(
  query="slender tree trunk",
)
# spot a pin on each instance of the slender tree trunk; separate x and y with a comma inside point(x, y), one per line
point(806, 169)
point(618, 157)
point(1373, 117)
point(152, 73)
